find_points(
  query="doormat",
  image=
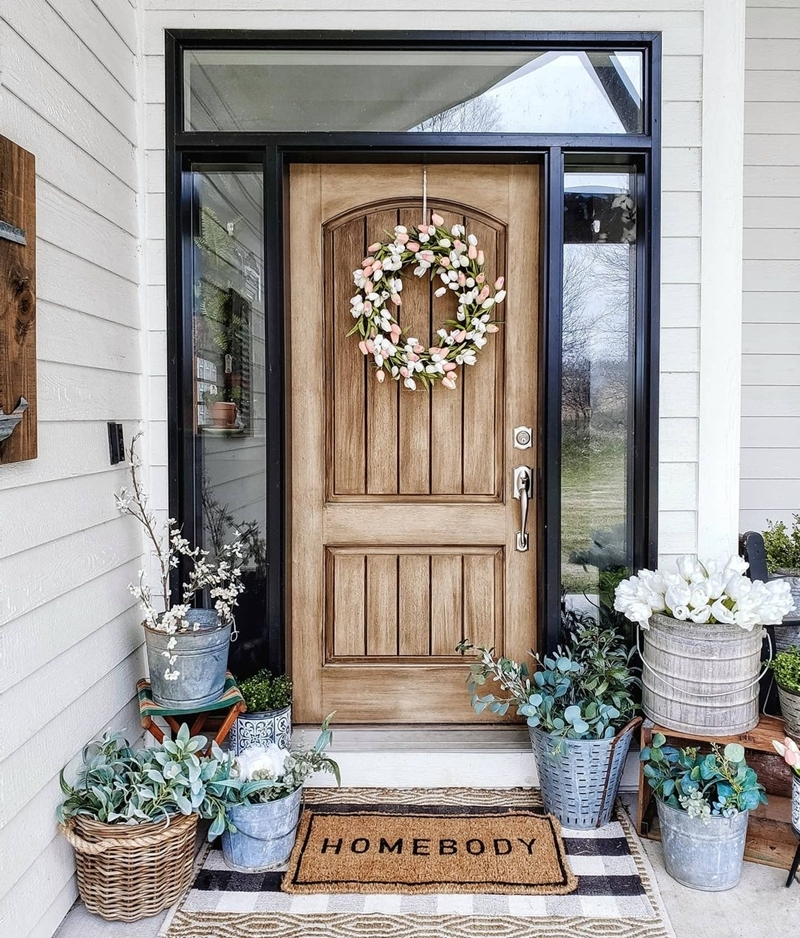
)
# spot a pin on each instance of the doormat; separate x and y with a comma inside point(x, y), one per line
point(432, 849)
point(616, 895)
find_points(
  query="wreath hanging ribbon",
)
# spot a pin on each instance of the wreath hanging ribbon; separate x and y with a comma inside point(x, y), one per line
point(455, 258)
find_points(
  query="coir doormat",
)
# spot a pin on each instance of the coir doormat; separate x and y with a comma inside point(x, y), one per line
point(616, 897)
point(435, 849)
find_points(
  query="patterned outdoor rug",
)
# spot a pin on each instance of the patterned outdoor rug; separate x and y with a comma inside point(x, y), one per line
point(616, 896)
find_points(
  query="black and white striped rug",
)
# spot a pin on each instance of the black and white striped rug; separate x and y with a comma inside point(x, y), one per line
point(616, 894)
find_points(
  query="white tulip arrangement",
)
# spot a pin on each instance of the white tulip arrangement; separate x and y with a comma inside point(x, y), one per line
point(706, 593)
point(454, 257)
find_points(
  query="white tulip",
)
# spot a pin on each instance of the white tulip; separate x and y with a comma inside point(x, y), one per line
point(680, 612)
point(701, 614)
point(721, 613)
point(689, 568)
point(410, 383)
point(698, 598)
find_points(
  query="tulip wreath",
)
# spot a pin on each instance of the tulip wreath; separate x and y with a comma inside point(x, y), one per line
point(454, 257)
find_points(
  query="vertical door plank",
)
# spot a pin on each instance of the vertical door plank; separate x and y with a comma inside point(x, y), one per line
point(18, 300)
point(348, 368)
point(480, 393)
point(349, 613)
point(446, 603)
point(479, 599)
point(414, 426)
point(414, 626)
point(382, 604)
point(447, 407)
point(382, 399)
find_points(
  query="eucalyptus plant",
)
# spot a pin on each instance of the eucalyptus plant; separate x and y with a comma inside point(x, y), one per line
point(117, 784)
point(704, 784)
point(582, 691)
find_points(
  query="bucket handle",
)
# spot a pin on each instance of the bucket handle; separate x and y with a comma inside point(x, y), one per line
point(682, 690)
point(626, 730)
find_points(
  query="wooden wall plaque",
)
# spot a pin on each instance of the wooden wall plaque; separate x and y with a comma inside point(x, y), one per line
point(18, 297)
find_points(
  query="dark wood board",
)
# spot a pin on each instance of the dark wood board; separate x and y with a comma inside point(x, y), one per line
point(18, 299)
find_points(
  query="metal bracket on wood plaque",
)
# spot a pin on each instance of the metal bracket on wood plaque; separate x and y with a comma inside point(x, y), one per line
point(9, 422)
point(12, 233)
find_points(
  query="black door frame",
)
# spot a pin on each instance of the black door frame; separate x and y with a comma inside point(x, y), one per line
point(273, 151)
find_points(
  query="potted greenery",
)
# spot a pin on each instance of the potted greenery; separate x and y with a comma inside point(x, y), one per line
point(263, 801)
point(786, 670)
point(269, 712)
point(580, 712)
point(131, 816)
point(782, 548)
point(703, 802)
point(702, 637)
point(193, 641)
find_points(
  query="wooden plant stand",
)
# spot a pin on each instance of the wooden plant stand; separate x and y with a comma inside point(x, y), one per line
point(770, 837)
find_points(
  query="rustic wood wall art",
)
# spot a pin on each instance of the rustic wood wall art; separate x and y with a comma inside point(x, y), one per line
point(18, 438)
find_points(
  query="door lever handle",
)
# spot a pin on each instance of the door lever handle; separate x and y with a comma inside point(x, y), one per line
point(523, 491)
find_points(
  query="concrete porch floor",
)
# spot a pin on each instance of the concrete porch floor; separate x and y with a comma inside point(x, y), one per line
point(759, 907)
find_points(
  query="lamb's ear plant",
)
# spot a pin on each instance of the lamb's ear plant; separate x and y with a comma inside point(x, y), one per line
point(119, 784)
point(786, 668)
point(704, 784)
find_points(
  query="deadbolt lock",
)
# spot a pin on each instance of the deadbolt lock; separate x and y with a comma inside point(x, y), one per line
point(523, 438)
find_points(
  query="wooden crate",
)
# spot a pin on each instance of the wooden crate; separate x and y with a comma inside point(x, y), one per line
point(770, 837)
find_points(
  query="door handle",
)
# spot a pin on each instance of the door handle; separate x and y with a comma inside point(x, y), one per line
point(523, 491)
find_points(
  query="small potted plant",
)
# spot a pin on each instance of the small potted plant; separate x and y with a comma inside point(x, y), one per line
point(786, 670)
point(269, 712)
point(790, 752)
point(193, 641)
point(263, 801)
point(703, 802)
point(581, 715)
point(782, 547)
point(131, 816)
point(702, 635)
point(222, 409)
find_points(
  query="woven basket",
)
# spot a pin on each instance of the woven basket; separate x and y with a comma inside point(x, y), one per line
point(130, 872)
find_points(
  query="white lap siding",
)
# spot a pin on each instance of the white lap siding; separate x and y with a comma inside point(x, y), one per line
point(770, 487)
point(69, 633)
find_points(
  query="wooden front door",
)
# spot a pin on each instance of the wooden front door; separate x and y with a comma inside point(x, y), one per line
point(402, 527)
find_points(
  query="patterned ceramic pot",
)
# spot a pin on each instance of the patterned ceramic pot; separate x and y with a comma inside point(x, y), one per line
point(261, 729)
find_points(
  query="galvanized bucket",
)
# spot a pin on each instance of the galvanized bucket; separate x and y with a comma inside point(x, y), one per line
point(202, 660)
point(579, 778)
point(701, 679)
point(265, 833)
point(788, 635)
point(790, 710)
point(261, 728)
point(703, 854)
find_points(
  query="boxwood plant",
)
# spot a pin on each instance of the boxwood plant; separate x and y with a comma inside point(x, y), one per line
point(263, 692)
point(582, 691)
point(704, 784)
point(786, 668)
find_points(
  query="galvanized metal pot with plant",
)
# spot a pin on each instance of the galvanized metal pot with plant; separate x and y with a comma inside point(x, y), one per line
point(701, 630)
point(268, 720)
point(786, 671)
point(131, 816)
point(782, 548)
point(263, 799)
point(703, 801)
point(580, 712)
point(187, 648)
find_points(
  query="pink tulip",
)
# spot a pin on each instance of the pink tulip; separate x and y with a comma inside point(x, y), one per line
point(472, 253)
point(369, 270)
point(402, 238)
point(396, 299)
point(484, 293)
point(380, 376)
point(498, 284)
point(395, 332)
point(434, 350)
point(445, 261)
point(449, 383)
point(462, 278)
point(480, 278)
point(492, 328)
point(368, 261)
point(370, 346)
point(412, 246)
point(412, 357)
point(481, 258)
point(460, 335)
point(363, 347)
point(377, 265)
point(367, 307)
point(404, 372)
point(423, 229)
point(419, 349)
point(459, 246)
point(450, 366)
point(374, 247)
point(437, 219)
point(428, 256)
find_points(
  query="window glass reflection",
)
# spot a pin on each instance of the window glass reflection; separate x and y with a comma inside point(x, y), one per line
point(420, 91)
point(597, 419)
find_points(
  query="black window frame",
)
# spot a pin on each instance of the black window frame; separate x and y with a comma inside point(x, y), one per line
point(273, 151)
